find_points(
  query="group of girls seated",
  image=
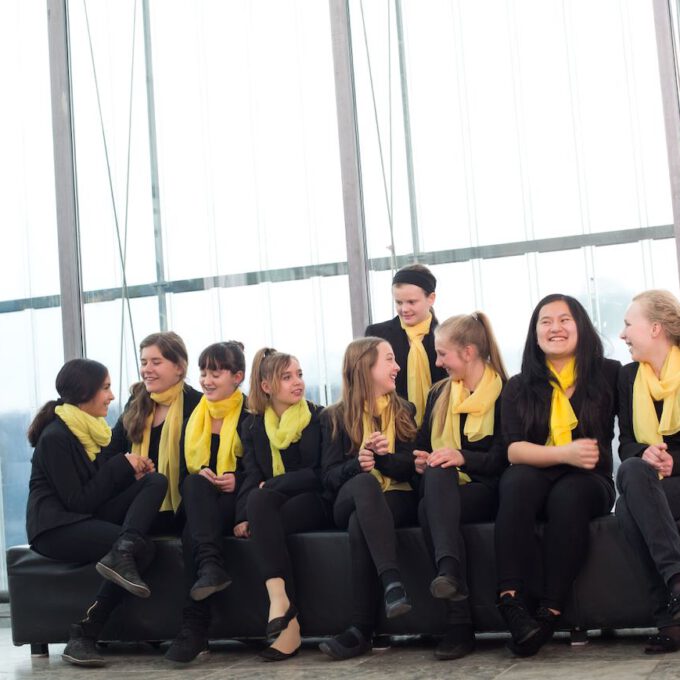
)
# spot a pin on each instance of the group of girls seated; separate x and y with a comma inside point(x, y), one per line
point(428, 431)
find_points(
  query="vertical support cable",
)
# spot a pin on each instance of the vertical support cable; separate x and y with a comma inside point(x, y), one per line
point(153, 159)
point(352, 197)
point(415, 238)
point(70, 275)
point(668, 74)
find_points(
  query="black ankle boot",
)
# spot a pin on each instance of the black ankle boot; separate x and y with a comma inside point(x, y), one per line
point(191, 641)
point(211, 579)
point(119, 564)
point(81, 649)
point(521, 624)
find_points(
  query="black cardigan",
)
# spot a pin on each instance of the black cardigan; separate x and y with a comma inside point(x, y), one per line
point(65, 485)
point(339, 464)
point(394, 334)
point(301, 460)
point(485, 459)
point(513, 428)
point(628, 445)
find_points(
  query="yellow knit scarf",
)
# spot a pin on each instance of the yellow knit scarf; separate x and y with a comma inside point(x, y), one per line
point(198, 434)
point(647, 389)
point(383, 412)
point(479, 405)
point(562, 417)
point(418, 376)
point(284, 431)
point(91, 432)
point(168, 448)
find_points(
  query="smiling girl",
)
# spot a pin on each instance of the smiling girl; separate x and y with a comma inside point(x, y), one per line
point(460, 455)
point(210, 472)
point(367, 462)
point(558, 423)
point(151, 424)
point(281, 493)
point(83, 508)
point(649, 476)
point(411, 334)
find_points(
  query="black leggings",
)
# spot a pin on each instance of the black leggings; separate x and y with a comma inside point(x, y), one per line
point(134, 509)
point(444, 506)
point(568, 499)
point(371, 516)
point(272, 516)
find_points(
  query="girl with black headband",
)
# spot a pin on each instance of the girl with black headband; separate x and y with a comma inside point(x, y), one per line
point(411, 334)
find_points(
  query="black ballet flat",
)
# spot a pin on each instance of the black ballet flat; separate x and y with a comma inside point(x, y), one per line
point(400, 605)
point(272, 654)
point(280, 623)
point(446, 587)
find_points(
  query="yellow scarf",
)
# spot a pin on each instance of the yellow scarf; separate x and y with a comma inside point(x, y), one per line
point(285, 431)
point(384, 412)
point(91, 432)
point(168, 448)
point(562, 417)
point(647, 389)
point(198, 434)
point(479, 405)
point(418, 377)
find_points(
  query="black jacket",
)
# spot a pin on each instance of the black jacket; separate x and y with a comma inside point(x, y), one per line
point(394, 334)
point(513, 430)
point(485, 459)
point(628, 446)
point(301, 460)
point(65, 485)
point(339, 465)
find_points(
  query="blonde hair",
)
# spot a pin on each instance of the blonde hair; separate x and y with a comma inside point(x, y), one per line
point(662, 307)
point(357, 390)
point(268, 365)
point(462, 330)
point(172, 347)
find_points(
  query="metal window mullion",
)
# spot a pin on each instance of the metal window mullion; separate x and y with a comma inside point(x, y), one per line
point(70, 276)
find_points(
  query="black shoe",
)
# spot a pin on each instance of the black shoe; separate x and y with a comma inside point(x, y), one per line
point(119, 566)
point(81, 650)
point(520, 623)
point(211, 579)
point(446, 587)
point(674, 607)
point(280, 623)
point(191, 641)
point(347, 645)
point(272, 654)
point(396, 600)
point(458, 641)
point(546, 621)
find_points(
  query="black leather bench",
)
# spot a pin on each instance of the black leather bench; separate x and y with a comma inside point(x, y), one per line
point(46, 596)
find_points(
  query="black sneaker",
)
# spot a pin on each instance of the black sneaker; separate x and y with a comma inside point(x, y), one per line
point(189, 643)
point(119, 566)
point(458, 641)
point(81, 650)
point(520, 623)
point(211, 579)
point(347, 645)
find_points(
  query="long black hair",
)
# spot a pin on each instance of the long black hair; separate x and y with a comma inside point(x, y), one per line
point(533, 407)
point(78, 381)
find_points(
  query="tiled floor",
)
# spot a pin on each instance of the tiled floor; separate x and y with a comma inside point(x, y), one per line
point(617, 658)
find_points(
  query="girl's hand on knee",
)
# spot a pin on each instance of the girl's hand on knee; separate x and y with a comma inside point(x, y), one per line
point(242, 530)
point(446, 458)
point(421, 458)
point(226, 482)
point(582, 453)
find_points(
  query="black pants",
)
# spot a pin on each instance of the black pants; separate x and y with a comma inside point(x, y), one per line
point(272, 516)
point(647, 510)
point(444, 506)
point(134, 509)
point(567, 498)
point(371, 516)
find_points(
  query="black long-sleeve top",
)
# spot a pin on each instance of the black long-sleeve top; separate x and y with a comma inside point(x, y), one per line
point(628, 445)
point(301, 459)
point(394, 334)
point(65, 485)
point(339, 464)
point(485, 459)
point(513, 430)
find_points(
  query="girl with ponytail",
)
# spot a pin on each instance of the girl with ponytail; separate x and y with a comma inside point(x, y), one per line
point(211, 451)
point(281, 492)
point(367, 463)
point(460, 457)
point(85, 508)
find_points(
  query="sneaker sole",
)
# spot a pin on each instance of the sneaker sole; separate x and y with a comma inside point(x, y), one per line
point(443, 589)
point(398, 609)
point(115, 577)
point(91, 663)
point(198, 594)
